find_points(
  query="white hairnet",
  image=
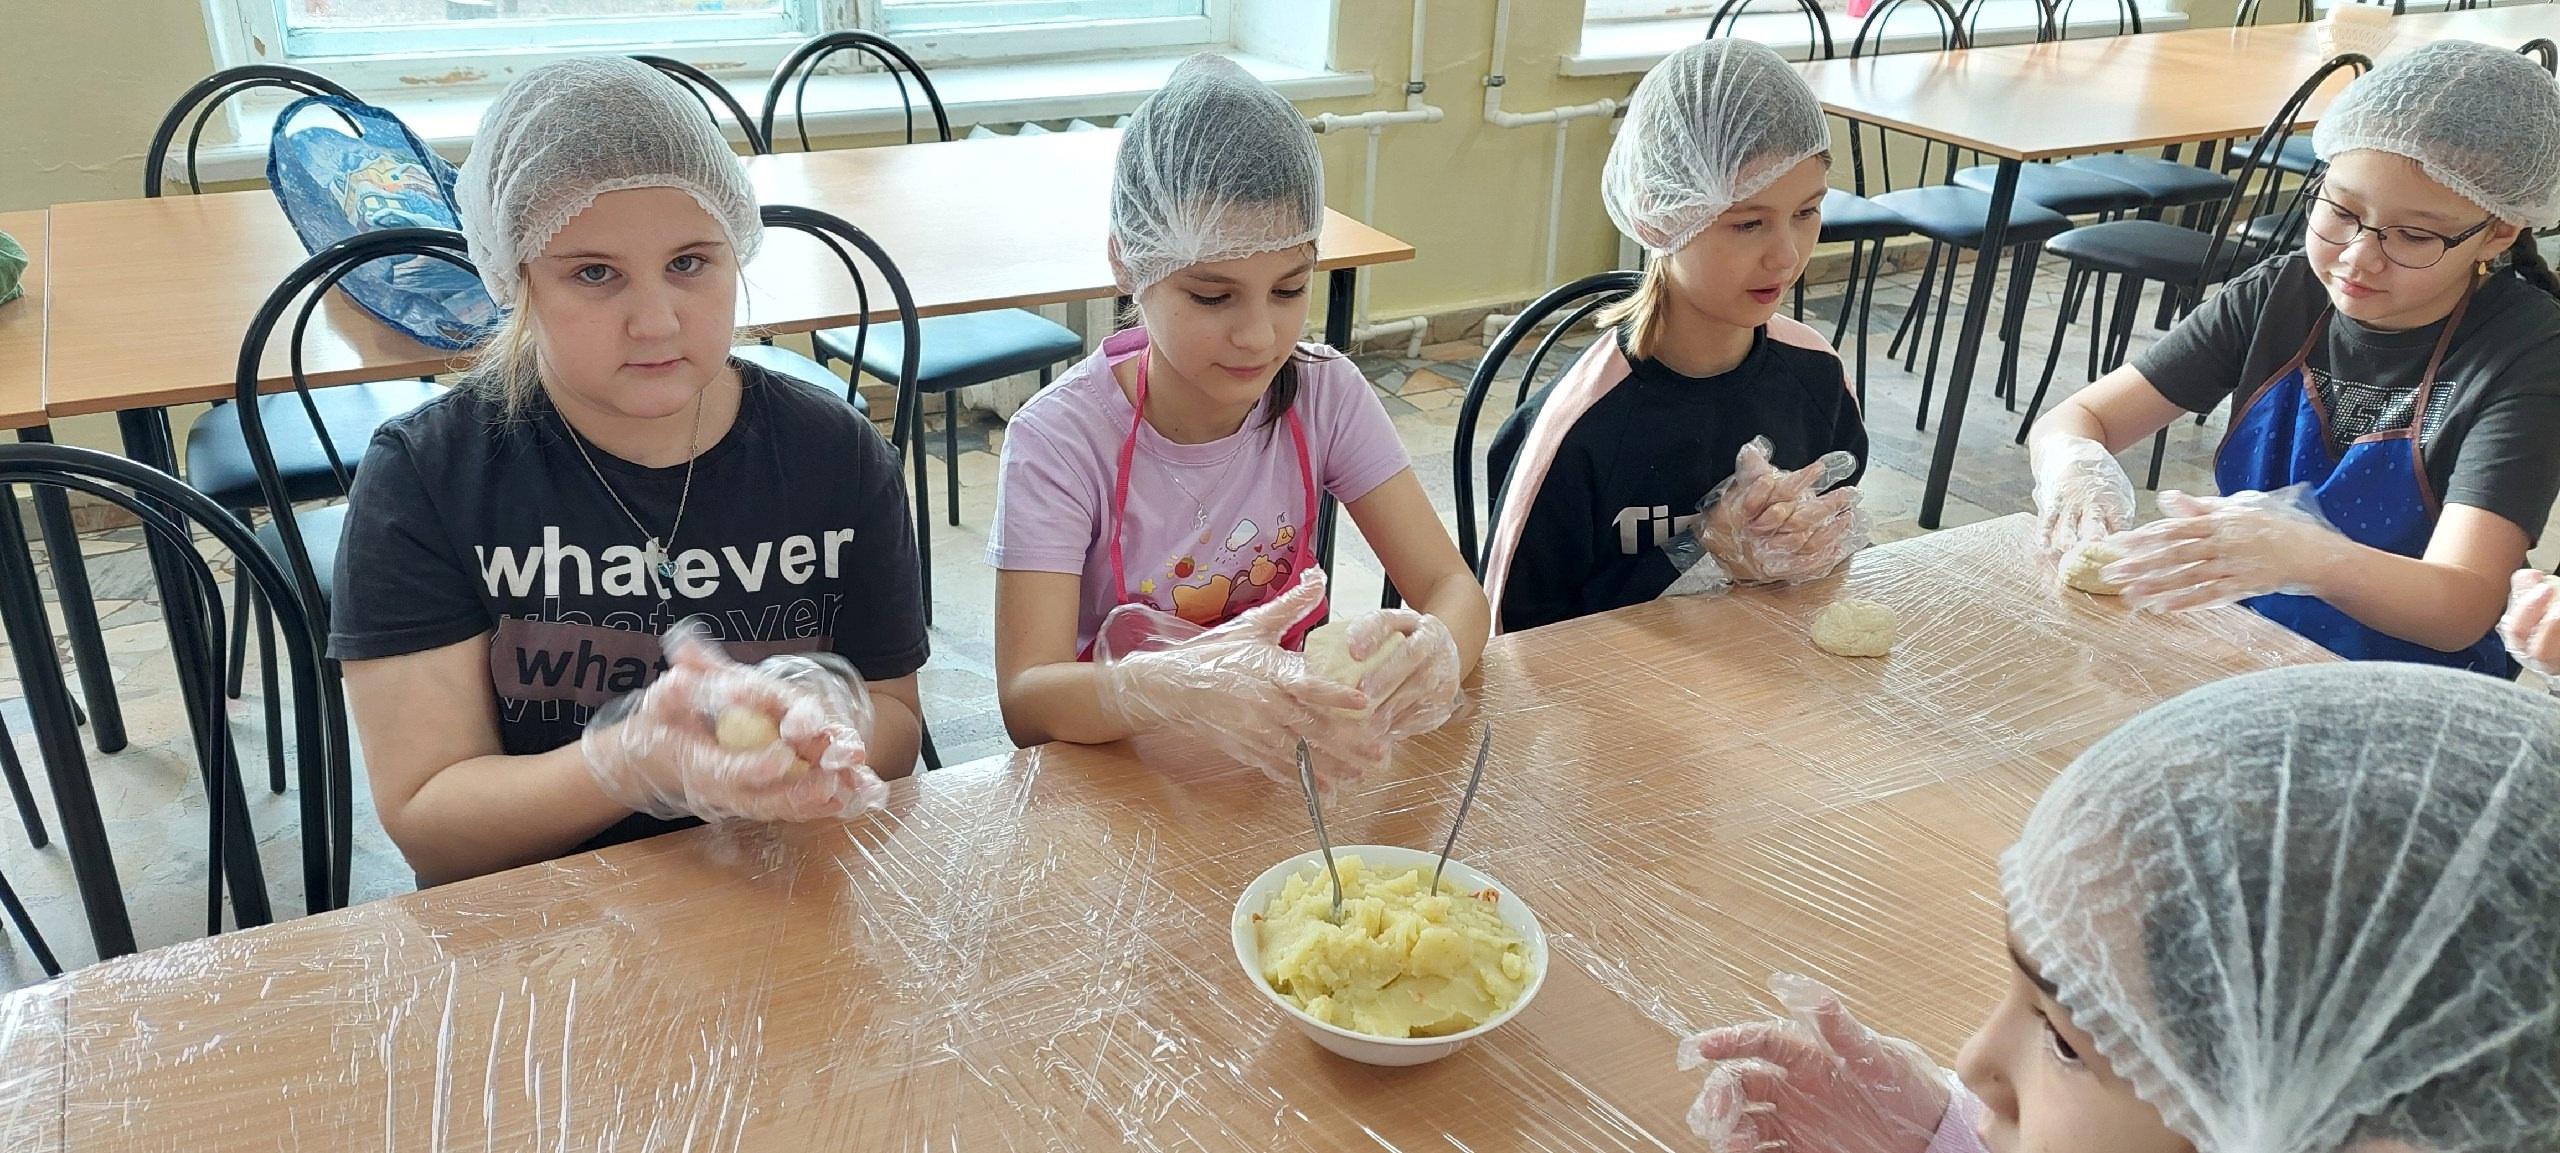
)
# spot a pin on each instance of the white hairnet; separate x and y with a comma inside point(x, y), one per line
point(2308, 908)
point(568, 132)
point(2482, 121)
point(1710, 126)
point(1214, 166)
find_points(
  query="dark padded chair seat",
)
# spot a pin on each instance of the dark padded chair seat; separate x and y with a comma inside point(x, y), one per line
point(1952, 215)
point(962, 350)
point(217, 456)
point(785, 363)
point(321, 529)
point(2069, 191)
point(2162, 182)
point(1848, 217)
point(2145, 249)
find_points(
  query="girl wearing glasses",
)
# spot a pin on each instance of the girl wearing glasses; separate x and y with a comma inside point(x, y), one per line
point(2395, 385)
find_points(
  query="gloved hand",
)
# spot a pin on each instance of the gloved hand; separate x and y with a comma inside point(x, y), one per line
point(782, 740)
point(1819, 1083)
point(1233, 687)
point(1415, 688)
point(2210, 551)
point(2082, 494)
point(1764, 526)
point(2531, 627)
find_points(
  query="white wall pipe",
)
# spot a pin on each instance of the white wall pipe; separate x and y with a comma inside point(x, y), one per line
point(1415, 111)
point(1493, 85)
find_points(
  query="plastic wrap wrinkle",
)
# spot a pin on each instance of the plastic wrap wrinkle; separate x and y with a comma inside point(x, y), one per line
point(1031, 954)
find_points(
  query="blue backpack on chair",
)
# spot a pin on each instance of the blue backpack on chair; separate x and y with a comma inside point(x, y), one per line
point(334, 185)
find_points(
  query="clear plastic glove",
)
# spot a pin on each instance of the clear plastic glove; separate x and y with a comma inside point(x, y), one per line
point(782, 740)
point(2531, 627)
point(1414, 689)
point(2082, 494)
point(2206, 551)
point(1817, 1083)
point(1764, 526)
point(1234, 687)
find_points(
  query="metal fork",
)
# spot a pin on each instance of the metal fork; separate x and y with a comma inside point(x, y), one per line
point(1315, 812)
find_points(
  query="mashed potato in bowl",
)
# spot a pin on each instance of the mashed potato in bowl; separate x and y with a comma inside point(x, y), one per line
point(1404, 962)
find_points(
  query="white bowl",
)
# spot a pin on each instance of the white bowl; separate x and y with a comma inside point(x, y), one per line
point(1385, 859)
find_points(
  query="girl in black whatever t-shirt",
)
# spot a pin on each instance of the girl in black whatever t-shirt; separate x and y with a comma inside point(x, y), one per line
point(517, 553)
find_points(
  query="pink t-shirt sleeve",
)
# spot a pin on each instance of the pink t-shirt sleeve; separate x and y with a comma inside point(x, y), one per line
point(1956, 1131)
point(1046, 513)
point(1361, 448)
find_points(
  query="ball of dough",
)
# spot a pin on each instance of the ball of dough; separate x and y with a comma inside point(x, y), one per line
point(2084, 567)
point(1328, 653)
point(1856, 628)
point(747, 729)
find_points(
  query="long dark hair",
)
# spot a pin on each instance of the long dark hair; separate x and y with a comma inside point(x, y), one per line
point(2524, 258)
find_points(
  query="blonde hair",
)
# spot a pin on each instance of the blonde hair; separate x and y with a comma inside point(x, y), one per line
point(1642, 313)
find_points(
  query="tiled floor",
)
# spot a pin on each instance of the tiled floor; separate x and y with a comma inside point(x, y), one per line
point(155, 811)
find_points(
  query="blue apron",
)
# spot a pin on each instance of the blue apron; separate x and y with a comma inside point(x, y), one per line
point(2377, 492)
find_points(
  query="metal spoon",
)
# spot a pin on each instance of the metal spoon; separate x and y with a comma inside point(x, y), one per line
point(1315, 812)
point(1474, 778)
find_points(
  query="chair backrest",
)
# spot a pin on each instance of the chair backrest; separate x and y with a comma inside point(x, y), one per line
point(705, 90)
point(176, 517)
point(207, 96)
point(838, 235)
point(2258, 186)
point(2542, 49)
point(1576, 302)
point(804, 61)
point(300, 293)
point(2128, 17)
point(1870, 38)
point(1817, 25)
point(1972, 12)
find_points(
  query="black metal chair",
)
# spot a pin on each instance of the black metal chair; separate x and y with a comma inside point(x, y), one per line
point(1576, 302)
point(959, 351)
point(764, 354)
point(2253, 221)
point(843, 239)
point(34, 820)
point(177, 517)
point(1847, 217)
point(2544, 52)
point(217, 458)
point(1954, 218)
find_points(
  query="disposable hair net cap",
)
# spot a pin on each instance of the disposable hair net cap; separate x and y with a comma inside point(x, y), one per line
point(1711, 126)
point(2482, 121)
point(2306, 910)
point(1214, 166)
point(566, 133)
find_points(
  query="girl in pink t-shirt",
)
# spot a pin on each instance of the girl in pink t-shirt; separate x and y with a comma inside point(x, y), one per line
point(1178, 472)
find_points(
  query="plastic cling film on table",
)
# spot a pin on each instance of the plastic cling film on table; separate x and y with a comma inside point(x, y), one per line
point(1036, 953)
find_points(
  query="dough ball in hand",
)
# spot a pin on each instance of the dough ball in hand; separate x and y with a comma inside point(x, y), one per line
point(1328, 654)
point(748, 729)
point(2085, 567)
point(1856, 628)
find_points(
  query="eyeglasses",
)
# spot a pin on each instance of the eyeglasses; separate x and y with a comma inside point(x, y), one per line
point(2406, 247)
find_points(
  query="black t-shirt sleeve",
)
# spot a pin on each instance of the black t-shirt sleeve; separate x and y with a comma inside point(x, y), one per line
point(2505, 462)
point(882, 632)
point(1558, 571)
point(400, 586)
point(2201, 361)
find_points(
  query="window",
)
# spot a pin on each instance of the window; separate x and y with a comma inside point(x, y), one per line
point(418, 45)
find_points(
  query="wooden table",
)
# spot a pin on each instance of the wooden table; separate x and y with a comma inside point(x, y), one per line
point(56, 724)
point(2032, 102)
point(150, 297)
point(1032, 953)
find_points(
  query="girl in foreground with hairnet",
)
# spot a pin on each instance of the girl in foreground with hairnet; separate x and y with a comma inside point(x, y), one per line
point(518, 551)
point(2302, 911)
point(1156, 516)
point(1703, 439)
point(2396, 384)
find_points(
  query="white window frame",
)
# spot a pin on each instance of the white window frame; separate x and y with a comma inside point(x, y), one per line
point(253, 32)
point(1594, 11)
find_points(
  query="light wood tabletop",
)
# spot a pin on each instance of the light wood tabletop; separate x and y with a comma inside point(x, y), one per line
point(22, 328)
point(1034, 952)
point(2038, 101)
point(150, 297)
